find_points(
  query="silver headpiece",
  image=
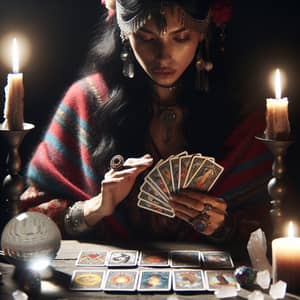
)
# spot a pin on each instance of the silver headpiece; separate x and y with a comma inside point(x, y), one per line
point(145, 12)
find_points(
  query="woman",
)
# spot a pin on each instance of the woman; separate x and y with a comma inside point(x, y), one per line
point(144, 100)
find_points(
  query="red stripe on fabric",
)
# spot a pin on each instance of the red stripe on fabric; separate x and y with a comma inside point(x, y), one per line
point(74, 172)
point(42, 162)
point(242, 178)
point(70, 141)
point(238, 146)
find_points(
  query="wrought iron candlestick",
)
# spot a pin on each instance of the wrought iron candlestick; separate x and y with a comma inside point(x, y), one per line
point(277, 187)
point(13, 184)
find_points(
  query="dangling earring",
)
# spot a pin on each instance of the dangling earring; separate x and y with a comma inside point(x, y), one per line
point(126, 57)
point(203, 66)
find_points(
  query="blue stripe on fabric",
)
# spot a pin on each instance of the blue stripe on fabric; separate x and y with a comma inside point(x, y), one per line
point(68, 127)
point(250, 163)
point(84, 132)
point(72, 114)
point(54, 142)
point(43, 180)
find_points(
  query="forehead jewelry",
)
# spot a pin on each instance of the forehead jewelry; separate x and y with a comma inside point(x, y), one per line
point(162, 22)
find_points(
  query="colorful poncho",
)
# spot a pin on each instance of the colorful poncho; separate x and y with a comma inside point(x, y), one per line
point(62, 171)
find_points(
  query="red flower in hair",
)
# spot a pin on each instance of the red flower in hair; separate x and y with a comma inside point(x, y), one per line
point(221, 11)
point(111, 7)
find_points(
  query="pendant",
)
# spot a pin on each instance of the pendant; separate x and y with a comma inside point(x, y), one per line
point(168, 118)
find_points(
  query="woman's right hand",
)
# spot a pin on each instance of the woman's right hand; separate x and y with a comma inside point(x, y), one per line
point(115, 187)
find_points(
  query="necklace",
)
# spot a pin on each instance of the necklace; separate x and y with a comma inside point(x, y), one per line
point(167, 117)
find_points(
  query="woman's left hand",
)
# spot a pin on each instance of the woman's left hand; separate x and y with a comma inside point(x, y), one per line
point(204, 212)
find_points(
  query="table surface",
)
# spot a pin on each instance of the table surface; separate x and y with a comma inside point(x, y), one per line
point(64, 264)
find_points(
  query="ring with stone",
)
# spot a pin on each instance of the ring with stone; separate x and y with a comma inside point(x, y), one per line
point(206, 209)
point(117, 162)
point(200, 222)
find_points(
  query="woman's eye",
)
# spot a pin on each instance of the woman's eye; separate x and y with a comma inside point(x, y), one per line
point(145, 37)
point(182, 37)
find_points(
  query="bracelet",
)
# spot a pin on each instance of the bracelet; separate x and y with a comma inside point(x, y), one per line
point(74, 219)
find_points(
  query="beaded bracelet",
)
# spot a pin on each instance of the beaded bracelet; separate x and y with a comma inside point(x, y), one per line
point(74, 219)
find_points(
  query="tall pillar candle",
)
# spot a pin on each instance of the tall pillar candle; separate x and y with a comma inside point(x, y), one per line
point(277, 120)
point(286, 261)
point(14, 95)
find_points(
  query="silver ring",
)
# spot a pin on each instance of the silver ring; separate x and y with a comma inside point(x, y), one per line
point(206, 209)
point(200, 222)
point(117, 162)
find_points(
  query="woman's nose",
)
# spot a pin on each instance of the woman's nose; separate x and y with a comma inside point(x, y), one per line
point(162, 50)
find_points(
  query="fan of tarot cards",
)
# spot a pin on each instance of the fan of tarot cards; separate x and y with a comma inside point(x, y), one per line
point(181, 171)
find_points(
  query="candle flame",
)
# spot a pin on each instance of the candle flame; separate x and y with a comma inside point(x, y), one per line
point(277, 84)
point(15, 56)
point(291, 230)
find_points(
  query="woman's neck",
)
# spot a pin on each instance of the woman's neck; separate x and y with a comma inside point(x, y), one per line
point(165, 95)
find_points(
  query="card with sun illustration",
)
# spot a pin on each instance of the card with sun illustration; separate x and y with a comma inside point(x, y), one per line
point(121, 280)
point(87, 280)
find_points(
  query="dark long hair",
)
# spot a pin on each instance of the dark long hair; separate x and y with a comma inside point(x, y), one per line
point(123, 122)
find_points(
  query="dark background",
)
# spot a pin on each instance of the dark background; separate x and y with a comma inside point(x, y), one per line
point(263, 35)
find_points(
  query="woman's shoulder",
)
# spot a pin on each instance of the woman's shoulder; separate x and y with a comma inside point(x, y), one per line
point(92, 86)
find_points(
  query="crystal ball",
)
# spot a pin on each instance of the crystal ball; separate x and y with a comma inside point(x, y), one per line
point(30, 236)
point(245, 275)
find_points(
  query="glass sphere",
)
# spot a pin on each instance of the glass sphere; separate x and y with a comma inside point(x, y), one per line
point(29, 237)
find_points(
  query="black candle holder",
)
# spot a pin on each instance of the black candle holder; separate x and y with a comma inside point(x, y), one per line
point(13, 183)
point(277, 185)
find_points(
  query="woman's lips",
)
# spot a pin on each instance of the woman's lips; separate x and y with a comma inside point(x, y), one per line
point(163, 71)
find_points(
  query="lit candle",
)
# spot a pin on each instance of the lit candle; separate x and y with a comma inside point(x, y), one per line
point(286, 260)
point(278, 126)
point(14, 93)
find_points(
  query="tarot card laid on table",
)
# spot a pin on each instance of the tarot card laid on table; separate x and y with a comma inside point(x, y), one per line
point(181, 171)
point(87, 280)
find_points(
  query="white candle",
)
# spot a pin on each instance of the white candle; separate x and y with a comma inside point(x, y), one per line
point(278, 126)
point(14, 94)
point(286, 260)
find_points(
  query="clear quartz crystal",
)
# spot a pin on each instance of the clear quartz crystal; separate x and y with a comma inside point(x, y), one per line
point(278, 290)
point(263, 279)
point(257, 249)
point(256, 295)
point(19, 295)
point(226, 292)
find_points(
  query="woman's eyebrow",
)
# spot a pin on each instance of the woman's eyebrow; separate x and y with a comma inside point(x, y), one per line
point(181, 29)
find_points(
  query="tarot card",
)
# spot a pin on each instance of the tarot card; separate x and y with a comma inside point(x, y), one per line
point(154, 259)
point(123, 258)
point(121, 280)
point(184, 165)
point(153, 200)
point(155, 178)
point(91, 258)
point(174, 167)
point(205, 176)
point(87, 280)
point(217, 260)
point(216, 279)
point(185, 258)
point(195, 165)
point(166, 175)
point(148, 205)
point(188, 280)
point(154, 280)
point(149, 188)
